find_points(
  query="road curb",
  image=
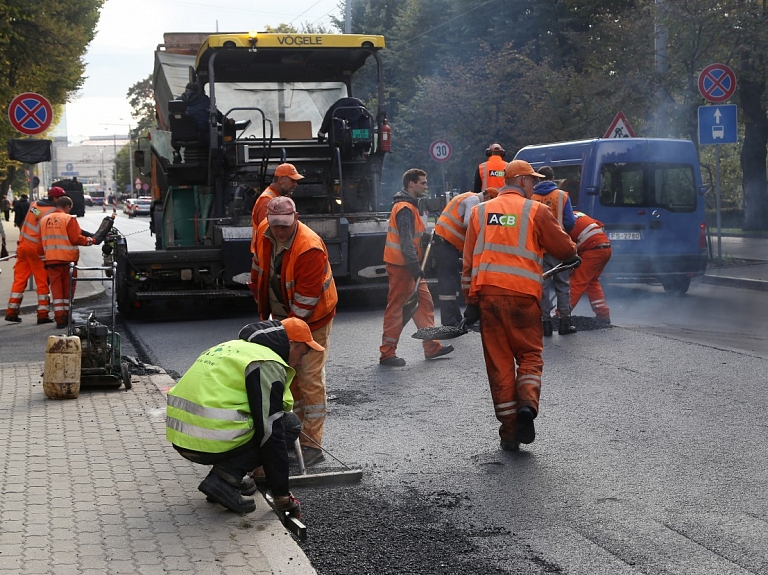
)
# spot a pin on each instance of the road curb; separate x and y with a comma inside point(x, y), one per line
point(743, 283)
point(161, 380)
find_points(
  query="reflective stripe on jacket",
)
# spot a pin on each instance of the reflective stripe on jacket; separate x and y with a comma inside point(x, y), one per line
point(556, 200)
point(492, 172)
point(55, 238)
point(507, 254)
point(450, 225)
point(314, 302)
point(587, 232)
point(208, 408)
point(30, 229)
point(393, 253)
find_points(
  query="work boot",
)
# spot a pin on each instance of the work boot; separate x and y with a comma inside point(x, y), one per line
point(311, 455)
point(224, 493)
point(44, 320)
point(547, 325)
point(13, 318)
point(509, 445)
point(526, 432)
point(603, 320)
point(444, 350)
point(247, 485)
point(565, 327)
point(393, 361)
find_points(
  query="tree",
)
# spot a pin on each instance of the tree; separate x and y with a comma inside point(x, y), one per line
point(141, 98)
point(42, 44)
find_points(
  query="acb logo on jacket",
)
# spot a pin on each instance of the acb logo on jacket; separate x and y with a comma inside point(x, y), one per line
point(507, 220)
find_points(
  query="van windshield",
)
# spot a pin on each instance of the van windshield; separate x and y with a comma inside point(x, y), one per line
point(668, 186)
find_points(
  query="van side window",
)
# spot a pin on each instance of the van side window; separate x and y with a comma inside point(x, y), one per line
point(668, 186)
point(568, 179)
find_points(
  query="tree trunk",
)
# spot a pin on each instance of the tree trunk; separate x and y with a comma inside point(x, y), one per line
point(753, 154)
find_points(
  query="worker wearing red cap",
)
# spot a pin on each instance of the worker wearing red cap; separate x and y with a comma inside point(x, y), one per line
point(450, 230)
point(285, 180)
point(232, 410)
point(28, 262)
point(490, 174)
point(501, 278)
point(294, 279)
point(60, 234)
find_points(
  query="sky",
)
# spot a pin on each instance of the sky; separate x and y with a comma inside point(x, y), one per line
point(122, 53)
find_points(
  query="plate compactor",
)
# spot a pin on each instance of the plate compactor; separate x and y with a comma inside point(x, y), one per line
point(101, 359)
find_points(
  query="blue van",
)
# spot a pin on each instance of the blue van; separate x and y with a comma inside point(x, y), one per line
point(647, 192)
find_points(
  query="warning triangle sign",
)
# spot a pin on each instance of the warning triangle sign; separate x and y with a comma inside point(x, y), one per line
point(620, 128)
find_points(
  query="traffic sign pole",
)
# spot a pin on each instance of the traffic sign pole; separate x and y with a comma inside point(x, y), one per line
point(718, 205)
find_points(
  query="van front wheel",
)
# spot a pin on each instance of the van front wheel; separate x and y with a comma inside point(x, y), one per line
point(676, 284)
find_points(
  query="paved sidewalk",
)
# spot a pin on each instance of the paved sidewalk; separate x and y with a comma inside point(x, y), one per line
point(90, 486)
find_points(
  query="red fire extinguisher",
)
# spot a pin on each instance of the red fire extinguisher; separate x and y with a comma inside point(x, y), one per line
point(386, 137)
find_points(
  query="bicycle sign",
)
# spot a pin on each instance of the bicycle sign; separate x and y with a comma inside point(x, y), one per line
point(440, 150)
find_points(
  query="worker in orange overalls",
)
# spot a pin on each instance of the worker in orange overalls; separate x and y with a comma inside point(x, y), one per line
point(501, 278)
point(559, 202)
point(490, 174)
point(285, 180)
point(450, 230)
point(595, 251)
point(28, 262)
point(293, 278)
point(402, 256)
point(60, 234)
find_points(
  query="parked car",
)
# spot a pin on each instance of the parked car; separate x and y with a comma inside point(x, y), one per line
point(140, 207)
point(88, 200)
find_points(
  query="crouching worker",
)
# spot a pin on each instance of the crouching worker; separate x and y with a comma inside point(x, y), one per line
point(232, 409)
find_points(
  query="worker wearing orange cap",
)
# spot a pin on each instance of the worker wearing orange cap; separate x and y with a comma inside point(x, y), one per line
point(28, 262)
point(285, 180)
point(490, 174)
point(293, 278)
point(501, 278)
point(450, 230)
point(232, 410)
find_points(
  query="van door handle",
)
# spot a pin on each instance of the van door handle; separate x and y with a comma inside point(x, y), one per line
point(655, 223)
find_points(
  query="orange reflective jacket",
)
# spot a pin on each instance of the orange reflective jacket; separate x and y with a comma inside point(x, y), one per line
point(507, 253)
point(55, 238)
point(309, 291)
point(556, 201)
point(450, 224)
point(492, 172)
point(30, 229)
point(393, 253)
point(587, 232)
point(260, 207)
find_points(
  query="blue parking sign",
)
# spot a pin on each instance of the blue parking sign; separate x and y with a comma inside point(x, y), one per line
point(718, 125)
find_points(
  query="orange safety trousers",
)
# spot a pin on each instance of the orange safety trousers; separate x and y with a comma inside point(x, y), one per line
point(586, 278)
point(401, 287)
point(58, 275)
point(308, 390)
point(512, 334)
point(28, 263)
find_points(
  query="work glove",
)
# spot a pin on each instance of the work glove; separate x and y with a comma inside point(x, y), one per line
point(415, 270)
point(472, 313)
point(575, 260)
point(288, 504)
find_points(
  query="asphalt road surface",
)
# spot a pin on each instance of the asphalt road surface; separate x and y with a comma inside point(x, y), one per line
point(650, 454)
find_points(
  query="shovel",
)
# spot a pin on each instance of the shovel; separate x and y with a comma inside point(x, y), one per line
point(451, 332)
point(412, 303)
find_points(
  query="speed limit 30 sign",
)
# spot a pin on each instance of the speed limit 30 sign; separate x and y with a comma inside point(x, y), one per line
point(440, 150)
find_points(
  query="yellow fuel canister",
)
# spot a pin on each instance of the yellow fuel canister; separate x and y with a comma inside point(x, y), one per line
point(61, 378)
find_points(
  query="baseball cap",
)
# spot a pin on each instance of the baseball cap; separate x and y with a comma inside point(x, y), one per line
point(492, 192)
point(56, 192)
point(298, 330)
point(288, 170)
point(281, 211)
point(520, 168)
point(495, 147)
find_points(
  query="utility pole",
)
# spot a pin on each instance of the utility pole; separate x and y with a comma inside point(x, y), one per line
point(130, 157)
point(661, 64)
point(347, 17)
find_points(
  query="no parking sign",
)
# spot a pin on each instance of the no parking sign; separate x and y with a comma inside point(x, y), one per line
point(30, 113)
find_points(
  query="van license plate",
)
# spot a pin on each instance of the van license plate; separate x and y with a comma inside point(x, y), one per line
point(625, 236)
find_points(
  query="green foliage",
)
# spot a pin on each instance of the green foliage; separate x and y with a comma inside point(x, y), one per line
point(141, 98)
point(42, 44)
